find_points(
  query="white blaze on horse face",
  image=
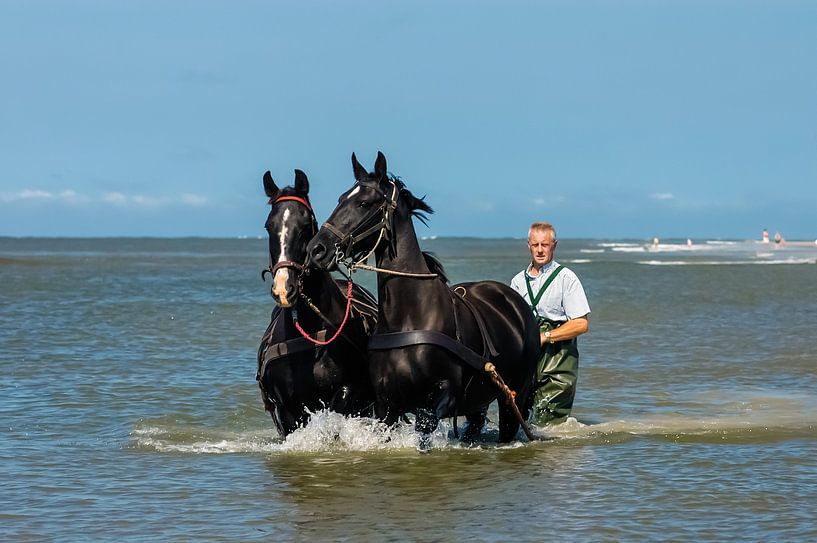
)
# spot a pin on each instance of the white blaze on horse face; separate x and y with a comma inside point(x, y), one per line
point(354, 191)
point(282, 275)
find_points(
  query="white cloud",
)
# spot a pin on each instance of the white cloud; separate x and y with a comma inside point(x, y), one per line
point(29, 194)
point(116, 198)
point(37, 195)
point(69, 196)
point(193, 199)
point(663, 196)
point(541, 201)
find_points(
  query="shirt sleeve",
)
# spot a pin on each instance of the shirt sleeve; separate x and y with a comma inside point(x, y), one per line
point(575, 301)
point(518, 286)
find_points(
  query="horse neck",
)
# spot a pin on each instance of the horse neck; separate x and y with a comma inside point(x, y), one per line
point(393, 290)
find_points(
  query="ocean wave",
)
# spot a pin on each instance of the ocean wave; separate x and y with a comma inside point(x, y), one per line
point(578, 261)
point(724, 262)
point(591, 250)
point(618, 245)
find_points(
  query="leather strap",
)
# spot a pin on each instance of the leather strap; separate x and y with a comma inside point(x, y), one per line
point(534, 301)
point(396, 340)
point(292, 346)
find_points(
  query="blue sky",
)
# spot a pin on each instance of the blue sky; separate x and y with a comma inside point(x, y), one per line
point(610, 119)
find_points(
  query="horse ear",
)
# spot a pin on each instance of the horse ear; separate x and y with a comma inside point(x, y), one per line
point(269, 186)
point(301, 183)
point(360, 171)
point(380, 166)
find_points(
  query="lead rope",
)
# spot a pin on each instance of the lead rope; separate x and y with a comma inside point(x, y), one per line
point(510, 397)
point(342, 324)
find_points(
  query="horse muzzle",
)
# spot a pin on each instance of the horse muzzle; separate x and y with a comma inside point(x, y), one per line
point(321, 254)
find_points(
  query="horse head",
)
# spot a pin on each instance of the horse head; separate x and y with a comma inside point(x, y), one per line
point(363, 218)
point(291, 224)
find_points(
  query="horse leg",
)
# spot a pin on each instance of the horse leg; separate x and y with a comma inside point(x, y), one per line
point(442, 402)
point(342, 400)
point(508, 424)
point(475, 422)
point(388, 415)
point(424, 424)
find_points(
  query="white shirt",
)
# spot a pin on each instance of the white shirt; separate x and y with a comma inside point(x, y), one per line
point(563, 300)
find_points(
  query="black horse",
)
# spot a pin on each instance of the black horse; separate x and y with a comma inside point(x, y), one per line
point(424, 372)
point(295, 375)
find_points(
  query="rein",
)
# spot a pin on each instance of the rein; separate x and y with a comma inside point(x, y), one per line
point(342, 324)
point(346, 255)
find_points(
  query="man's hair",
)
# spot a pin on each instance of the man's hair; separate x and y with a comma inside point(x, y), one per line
point(542, 227)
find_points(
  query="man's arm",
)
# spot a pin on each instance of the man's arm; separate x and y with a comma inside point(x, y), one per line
point(569, 330)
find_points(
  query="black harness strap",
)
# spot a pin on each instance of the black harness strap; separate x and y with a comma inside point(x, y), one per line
point(534, 300)
point(487, 344)
point(395, 340)
point(292, 346)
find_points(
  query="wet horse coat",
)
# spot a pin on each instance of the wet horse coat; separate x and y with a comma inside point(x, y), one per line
point(375, 215)
point(297, 376)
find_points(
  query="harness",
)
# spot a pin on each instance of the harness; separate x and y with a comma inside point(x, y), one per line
point(346, 253)
point(534, 301)
point(395, 340)
point(345, 249)
point(269, 352)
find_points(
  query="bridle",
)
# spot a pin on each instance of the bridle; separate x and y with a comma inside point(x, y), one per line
point(297, 266)
point(345, 251)
point(302, 269)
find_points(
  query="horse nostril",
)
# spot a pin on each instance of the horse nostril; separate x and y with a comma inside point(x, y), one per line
point(318, 252)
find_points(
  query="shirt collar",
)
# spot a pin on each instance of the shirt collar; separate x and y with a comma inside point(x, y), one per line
point(544, 272)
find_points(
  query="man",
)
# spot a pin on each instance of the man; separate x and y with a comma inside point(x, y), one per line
point(557, 299)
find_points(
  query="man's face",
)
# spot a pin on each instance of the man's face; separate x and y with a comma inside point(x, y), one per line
point(541, 245)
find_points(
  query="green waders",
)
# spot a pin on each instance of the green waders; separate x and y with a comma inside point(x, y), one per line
point(556, 376)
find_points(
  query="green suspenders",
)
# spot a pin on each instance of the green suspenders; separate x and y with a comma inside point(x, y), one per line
point(534, 301)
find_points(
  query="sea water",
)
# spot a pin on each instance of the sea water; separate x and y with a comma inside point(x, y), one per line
point(129, 409)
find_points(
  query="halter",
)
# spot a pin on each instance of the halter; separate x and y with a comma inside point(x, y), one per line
point(300, 268)
point(345, 246)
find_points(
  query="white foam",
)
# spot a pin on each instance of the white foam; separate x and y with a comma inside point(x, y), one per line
point(326, 432)
point(591, 250)
point(724, 262)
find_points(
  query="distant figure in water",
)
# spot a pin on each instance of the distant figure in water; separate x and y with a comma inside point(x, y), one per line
point(654, 243)
point(778, 239)
point(765, 237)
point(689, 242)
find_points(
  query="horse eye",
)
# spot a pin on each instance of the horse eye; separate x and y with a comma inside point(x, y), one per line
point(364, 204)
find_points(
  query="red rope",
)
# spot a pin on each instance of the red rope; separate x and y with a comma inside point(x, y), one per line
point(345, 316)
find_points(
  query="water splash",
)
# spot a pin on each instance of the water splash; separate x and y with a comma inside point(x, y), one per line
point(755, 415)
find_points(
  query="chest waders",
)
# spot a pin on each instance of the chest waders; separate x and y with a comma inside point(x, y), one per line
point(557, 370)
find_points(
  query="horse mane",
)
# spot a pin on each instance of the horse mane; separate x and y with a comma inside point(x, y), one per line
point(417, 206)
point(435, 266)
